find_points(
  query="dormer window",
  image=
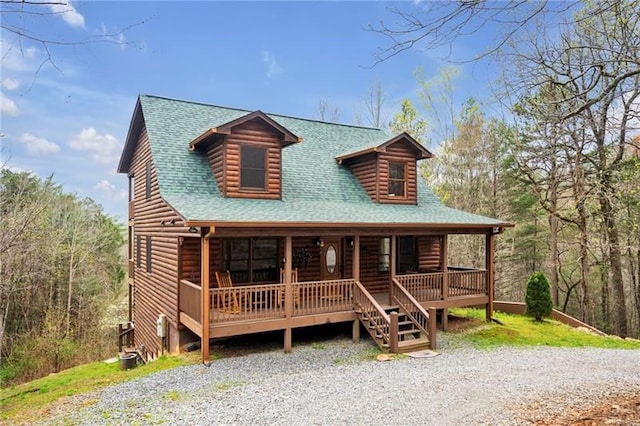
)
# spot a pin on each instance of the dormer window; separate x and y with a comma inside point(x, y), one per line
point(397, 179)
point(253, 170)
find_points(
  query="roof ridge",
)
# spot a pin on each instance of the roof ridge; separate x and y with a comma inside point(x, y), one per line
point(311, 120)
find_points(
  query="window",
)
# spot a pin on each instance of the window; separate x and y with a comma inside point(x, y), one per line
point(149, 253)
point(148, 180)
point(138, 251)
point(407, 255)
point(397, 179)
point(384, 254)
point(251, 259)
point(253, 174)
point(131, 188)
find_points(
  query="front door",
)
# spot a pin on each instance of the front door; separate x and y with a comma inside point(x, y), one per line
point(330, 260)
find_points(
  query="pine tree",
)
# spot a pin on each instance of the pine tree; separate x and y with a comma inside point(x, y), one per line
point(538, 298)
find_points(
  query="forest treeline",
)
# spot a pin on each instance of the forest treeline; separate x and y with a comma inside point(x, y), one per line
point(61, 278)
point(562, 161)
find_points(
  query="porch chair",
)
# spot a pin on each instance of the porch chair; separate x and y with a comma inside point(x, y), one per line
point(296, 291)
point(227, 301)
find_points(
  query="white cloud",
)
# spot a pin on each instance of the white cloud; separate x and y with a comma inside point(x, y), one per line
point(69, 14)
point(7, 106)
point(272, 65)
point(17, 58)
point(38, 146)
point(9, 83)
point(110, 190)
point(105, 149)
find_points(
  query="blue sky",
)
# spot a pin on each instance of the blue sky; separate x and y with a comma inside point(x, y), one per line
point(69, 119)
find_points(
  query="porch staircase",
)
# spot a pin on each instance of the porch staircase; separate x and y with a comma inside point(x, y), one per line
point(394, 329)
point(409, 337)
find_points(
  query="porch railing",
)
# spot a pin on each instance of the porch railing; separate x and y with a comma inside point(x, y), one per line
point(374, 318)
point(429, 287)
point(190, 299)
point(251, 302)
point(316, 297)
point(467, 282)
point(409, 306)
point(423, 287)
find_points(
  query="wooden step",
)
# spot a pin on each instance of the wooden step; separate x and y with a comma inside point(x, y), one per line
point(412, 331)
point(413, 345)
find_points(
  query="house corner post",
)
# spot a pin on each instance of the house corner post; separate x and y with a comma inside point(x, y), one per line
point(204, 290)
point(288, 293)
point(489, 266)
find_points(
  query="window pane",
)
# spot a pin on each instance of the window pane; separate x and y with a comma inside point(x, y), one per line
point(396, 188)
point(252, 158)
point(396, 171)
point(385, 250)
point(407, 259)
point(265, 260)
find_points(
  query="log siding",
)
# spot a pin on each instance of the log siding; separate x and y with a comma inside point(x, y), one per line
point(254, 133)
point(155, 292)
point(372, 171)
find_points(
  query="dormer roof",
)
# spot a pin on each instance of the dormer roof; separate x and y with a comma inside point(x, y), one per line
point(421, 151)
point(225, 129)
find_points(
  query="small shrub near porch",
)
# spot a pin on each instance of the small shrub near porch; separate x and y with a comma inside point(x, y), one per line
point(538, 297)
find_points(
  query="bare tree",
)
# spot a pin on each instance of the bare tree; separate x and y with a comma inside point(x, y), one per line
point(327, 112)
point(434, 25)
point(24, 20)
point(374, 105)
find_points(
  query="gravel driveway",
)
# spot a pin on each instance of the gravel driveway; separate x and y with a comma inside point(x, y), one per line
point(336, 382)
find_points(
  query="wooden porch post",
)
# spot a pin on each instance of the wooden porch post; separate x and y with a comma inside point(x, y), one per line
point(356, 276)
point(204, 289)
point(392, 266)
point(444, 262)
point(489, 256)
point(288, 294)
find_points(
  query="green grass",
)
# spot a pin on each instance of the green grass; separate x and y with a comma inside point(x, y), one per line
point(520, 330)
point(26, 401)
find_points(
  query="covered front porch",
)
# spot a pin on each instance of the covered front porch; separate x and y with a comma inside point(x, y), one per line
point(346, 278)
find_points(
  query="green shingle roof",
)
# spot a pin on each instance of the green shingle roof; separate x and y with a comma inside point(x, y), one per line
point(315, 189)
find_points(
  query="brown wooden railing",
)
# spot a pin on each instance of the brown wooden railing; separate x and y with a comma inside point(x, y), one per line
point(423, 287)
point(251, 302)
point(125, 336)
point(409, 306)
point(316, 297)
point(467, 282)
point(374, 318)
point(191, 299)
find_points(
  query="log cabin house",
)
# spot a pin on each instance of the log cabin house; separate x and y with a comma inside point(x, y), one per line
point(243, 222)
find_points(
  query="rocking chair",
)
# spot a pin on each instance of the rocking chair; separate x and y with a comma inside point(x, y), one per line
point(227, 300)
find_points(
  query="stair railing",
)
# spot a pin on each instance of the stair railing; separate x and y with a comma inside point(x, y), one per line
point(421, 319)
point(372, 315)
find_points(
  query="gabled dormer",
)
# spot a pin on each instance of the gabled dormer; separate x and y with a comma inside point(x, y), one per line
point(388, 172)
point(245, 155)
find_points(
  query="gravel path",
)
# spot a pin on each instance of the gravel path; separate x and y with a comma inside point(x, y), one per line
point(336, 382)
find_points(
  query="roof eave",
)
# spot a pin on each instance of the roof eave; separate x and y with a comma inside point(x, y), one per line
point(496, 228)
point(137, 122)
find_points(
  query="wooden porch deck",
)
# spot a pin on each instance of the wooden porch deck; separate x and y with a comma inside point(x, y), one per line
point(258, 308)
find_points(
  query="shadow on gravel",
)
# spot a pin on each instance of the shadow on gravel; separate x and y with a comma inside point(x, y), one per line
point(274, 340)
